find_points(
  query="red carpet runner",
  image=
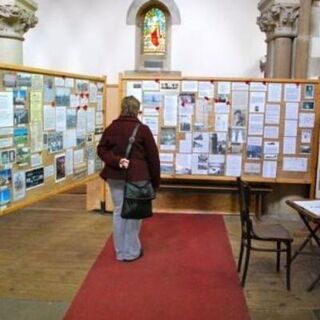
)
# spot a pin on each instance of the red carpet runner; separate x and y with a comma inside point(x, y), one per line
point(187, 273)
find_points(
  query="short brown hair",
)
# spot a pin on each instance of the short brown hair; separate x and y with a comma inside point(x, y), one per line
point(130, 106)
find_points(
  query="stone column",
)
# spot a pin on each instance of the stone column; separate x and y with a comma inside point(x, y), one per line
point(278, 20)
point(16, 18)
point(300, 64)
point(314, 49)
point(267, 25)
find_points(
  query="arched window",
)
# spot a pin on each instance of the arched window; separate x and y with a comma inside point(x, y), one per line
point(154, 32)
point(153, 20)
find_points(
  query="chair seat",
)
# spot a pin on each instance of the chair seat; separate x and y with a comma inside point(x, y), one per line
point(272, 232)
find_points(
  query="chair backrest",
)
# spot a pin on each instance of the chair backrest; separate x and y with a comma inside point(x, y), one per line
point(244, 201)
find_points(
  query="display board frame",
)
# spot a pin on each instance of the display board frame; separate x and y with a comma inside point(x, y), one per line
point(306, 111)
point(73, 107)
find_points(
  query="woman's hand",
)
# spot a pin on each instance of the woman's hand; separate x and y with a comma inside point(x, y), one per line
point(124, 163)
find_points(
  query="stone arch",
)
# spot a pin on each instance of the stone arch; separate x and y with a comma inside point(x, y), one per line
point(137, 4)
point(135, 15)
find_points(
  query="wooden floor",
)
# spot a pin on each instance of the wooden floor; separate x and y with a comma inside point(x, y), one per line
point(47, 249)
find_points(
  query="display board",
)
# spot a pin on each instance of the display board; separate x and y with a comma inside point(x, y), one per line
point(50, 124)
point(265, 130)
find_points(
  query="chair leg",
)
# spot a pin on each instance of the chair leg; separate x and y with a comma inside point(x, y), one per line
point(240, 256)
point(278, 255)
point(288, 266)
point(313, 284)
point(246, 264)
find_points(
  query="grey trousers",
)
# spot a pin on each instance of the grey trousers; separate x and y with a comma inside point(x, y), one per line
point(125, 231)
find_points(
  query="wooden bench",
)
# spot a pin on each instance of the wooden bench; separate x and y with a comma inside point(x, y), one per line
point(258, 190)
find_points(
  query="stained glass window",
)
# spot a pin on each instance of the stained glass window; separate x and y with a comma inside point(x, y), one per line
point(154, 32)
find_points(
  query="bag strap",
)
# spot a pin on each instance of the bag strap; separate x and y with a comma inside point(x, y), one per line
point(132, 139)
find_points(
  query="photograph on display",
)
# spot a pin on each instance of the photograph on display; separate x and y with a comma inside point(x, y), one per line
point(55, 142)
point(5, 176)
point(153, 99)
point(216, 168)
point(309, 91)
point(20, 97)
point(305, 149)
point(166, 168)
point(62, 97)
point(187, 99)
point(19, 185)
point(235, 148)
point(98, 131)
point(82, 85)
point(200, 142)
point(5, 196)
point(23, 156)
point(8, 156)
point(81, 139)
point(237, 135)
point(200, 163)
point(236, 140)
point(24, 80)
point(60, 167)
point(10, 80)
point(89, 138)
point(308, 105)
point(199, 126)
point(21, 136)
point(185, 122)
point(71, 118)
point(216, 165)
point(238, 117)
point(100, 88)
point(254, 151)
point(218, 143)
point(34, 178)
point(49, 91)
point(306, 135)
point(21, 117)
point(168, 138)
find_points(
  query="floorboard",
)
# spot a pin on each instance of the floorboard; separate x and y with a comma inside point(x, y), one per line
point(47, 249)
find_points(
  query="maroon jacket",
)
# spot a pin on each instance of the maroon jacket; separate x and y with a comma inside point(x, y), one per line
point(144, 156)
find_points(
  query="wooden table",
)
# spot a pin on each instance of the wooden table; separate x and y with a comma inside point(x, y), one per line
point(309, 212)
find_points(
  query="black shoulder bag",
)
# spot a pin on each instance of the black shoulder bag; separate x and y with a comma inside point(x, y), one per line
point(138, 195)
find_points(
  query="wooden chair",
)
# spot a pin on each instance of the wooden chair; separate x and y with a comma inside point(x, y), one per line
point(252, 234)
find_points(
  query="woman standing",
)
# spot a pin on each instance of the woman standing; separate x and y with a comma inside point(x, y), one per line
point(144, 164)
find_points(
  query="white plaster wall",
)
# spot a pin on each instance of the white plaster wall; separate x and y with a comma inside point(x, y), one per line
point(215, 38)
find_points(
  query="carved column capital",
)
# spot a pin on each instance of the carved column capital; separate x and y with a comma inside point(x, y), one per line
point(15, 21)
point(266, 23)
point(279, 20)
